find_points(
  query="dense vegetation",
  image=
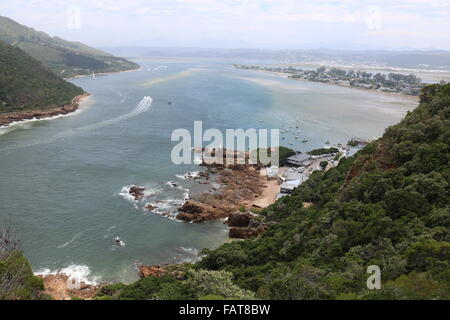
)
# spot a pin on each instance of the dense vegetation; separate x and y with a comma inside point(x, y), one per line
point(26, 84)
point(16, 278)
point(321, 151)
point(195, 285)
point(386, 206)
point(63, 57)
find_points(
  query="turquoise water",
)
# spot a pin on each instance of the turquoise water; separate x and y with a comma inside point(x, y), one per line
point(61, 180)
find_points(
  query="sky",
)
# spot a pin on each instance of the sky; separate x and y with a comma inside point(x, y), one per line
point(266, 24)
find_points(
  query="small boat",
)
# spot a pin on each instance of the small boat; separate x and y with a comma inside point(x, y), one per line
point(93, 75)
point(305, 140)
point(119, 242)
point(327, 142)
point(261, 120)
point(170, 102)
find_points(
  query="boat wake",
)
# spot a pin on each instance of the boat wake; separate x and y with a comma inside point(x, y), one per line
point(142, 107)
point(75, 237)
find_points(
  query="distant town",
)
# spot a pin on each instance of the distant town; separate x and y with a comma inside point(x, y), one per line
point(390, 82)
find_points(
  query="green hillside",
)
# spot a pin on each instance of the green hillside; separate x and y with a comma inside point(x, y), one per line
point(65, 58)
point(26, 84)
point(389, 206)
point(17, 281)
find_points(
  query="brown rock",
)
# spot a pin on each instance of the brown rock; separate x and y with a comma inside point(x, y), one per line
point(239, 219)
point(158, 271)
point(151, 271)
point(150, 207)
point(197, 212)
point(137, 192)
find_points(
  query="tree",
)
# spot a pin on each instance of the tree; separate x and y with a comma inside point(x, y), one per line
point(16, 278)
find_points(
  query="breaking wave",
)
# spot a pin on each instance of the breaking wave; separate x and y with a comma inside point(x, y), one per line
point(81, 272)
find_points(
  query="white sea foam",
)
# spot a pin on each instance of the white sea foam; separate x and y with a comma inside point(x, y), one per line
point(188, 175)
point(142, 106)
point(27, 124)
point(74, 271)
point(148, 192)
point(125, 193)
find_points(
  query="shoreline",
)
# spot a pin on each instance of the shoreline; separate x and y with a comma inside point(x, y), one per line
point(103, 73)
point(9, 119)
point(396, 94)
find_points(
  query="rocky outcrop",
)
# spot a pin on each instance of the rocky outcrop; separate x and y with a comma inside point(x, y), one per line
point(137, 193)
point(239, 186)
point(8, 118)
point(159, 271)
point(239, 220)
point(151, 271)
point(57, 286)
point(192, 211)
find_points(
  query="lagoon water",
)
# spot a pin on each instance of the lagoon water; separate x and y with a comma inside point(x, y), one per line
point(62, 181)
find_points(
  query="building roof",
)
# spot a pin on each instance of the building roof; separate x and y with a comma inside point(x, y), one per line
point(298, 158)
point(288, 186)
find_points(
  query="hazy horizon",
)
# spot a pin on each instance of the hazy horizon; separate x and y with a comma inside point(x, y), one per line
point(247, 24)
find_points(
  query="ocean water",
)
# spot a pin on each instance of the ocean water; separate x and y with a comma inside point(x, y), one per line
point(63, 182)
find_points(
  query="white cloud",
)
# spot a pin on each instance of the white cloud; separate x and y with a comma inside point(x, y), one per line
point(268, 22)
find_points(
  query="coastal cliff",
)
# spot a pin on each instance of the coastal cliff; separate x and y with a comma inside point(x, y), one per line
point(28, 89)
point(64, 58)
point(8, 118)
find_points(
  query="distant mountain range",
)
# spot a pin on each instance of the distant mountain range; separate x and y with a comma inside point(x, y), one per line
point(411, 59)
point(26, 84)
point(65, 58)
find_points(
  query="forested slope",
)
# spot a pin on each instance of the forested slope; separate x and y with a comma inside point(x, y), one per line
point(387, 206)
point(65, 58)
point(26, 84)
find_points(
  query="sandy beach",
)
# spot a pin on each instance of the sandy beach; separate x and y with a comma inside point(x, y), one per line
point(102, 73)
point(268, 196)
